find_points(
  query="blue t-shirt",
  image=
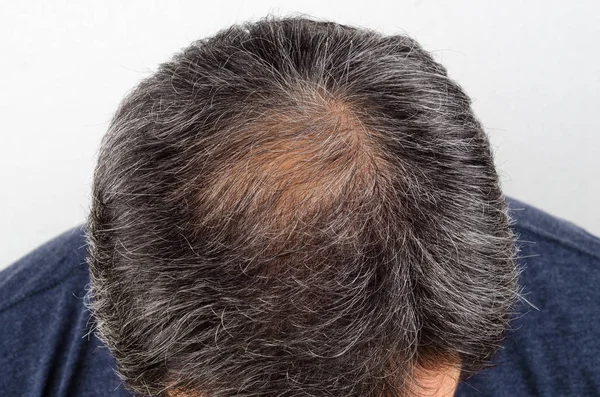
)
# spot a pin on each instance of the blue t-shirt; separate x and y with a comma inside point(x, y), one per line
point(46, 347)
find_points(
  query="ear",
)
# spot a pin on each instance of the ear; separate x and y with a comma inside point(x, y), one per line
point(439, 382)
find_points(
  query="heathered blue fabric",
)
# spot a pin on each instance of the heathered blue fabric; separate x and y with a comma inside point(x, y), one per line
point(552, 350)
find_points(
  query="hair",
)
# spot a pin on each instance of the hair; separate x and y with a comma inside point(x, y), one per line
point(295, 207)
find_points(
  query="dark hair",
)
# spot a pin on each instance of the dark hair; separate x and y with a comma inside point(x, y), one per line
point(295, 207)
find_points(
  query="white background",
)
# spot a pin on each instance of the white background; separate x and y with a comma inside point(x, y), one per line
point(531, 67)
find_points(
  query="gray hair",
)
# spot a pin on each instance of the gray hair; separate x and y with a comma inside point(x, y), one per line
point(295, 207)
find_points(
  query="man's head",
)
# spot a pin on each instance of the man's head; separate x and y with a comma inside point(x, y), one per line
point(295, 208)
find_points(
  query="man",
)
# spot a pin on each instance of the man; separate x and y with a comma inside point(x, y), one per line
point(295, 208)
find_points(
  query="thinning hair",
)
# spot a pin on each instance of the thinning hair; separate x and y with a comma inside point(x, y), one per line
point(295, 207)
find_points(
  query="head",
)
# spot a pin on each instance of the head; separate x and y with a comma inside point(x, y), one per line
point(295, 207)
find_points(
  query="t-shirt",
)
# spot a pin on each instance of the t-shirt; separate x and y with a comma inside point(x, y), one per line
point(552, 349)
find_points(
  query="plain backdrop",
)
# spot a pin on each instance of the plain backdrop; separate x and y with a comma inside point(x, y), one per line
point(531, 67)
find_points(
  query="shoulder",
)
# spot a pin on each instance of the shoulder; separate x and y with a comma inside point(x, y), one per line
point(47, 346)
point(565, 234)
point(552, 345)
point(559, 262)
point(58, 261)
